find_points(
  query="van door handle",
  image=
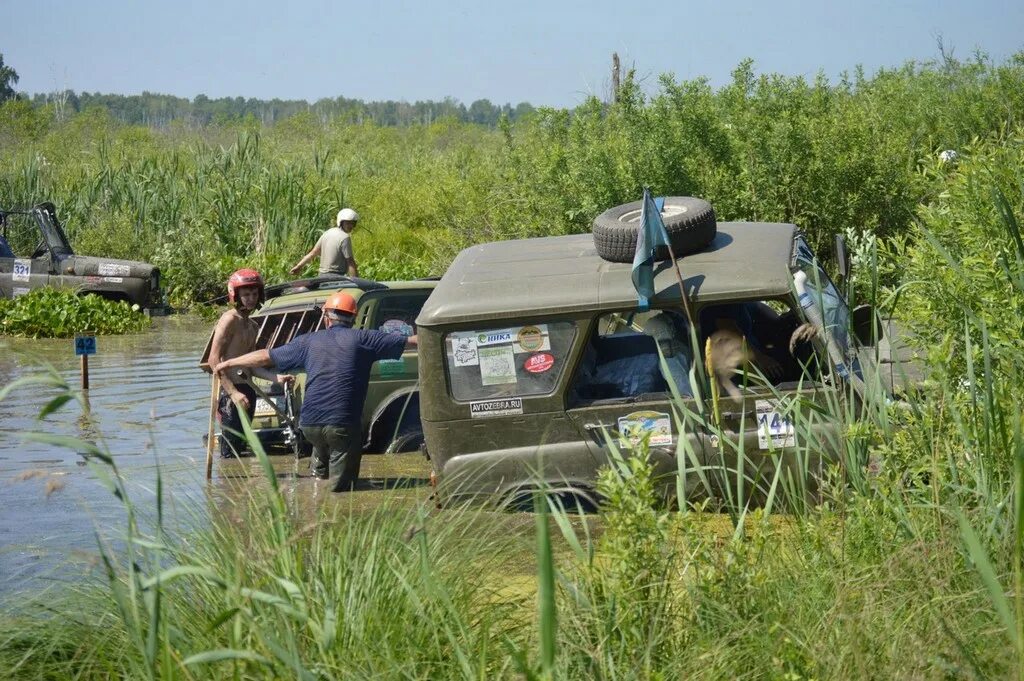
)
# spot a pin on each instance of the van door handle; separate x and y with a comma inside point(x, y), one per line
point(599, 426)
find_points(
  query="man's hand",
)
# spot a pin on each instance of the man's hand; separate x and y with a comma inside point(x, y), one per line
point(241, 400)
point(222, 367)
point(285, 379)
point(296, 269)
point(803, 333)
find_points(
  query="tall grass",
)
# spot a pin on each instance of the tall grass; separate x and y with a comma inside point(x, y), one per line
point(855, 155)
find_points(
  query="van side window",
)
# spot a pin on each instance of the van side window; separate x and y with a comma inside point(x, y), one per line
point(397, 313)
point(757, 334)
point(621, 358)
point(510, 361)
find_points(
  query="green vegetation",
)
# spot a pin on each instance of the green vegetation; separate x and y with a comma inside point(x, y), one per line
point(856, 156)
point(60, 313)
point(908, 562)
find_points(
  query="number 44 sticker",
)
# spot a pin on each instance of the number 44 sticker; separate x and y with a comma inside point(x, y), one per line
point(774, 428)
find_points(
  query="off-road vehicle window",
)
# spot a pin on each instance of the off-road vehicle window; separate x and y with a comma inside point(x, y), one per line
point(761, 331)
point(22, 235)
point(398, 312)
point(511, 361)
point(621, 358)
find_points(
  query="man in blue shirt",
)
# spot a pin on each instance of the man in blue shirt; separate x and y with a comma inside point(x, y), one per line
point(337, 361)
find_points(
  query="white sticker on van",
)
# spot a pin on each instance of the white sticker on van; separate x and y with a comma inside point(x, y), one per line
point(486, 408)
point(110, 269)
point(22, 269)
point(496, 337)
point(20, 291)
point(774, 429)
point(655, 427)
point(464, 349)
point(497, 365)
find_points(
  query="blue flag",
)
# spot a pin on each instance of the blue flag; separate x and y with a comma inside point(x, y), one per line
point(650, 235)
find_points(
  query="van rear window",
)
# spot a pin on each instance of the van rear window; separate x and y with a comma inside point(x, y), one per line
point(508, 361)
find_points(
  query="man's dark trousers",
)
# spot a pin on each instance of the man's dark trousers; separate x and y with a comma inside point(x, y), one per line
point(337, 451)
point(232, 442)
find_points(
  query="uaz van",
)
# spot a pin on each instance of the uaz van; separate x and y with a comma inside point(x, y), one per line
point(534, 360)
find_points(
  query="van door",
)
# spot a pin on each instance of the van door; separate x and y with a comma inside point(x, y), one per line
point(620, 396)
point(28, 263)
point(775, 405)
point(393, 311)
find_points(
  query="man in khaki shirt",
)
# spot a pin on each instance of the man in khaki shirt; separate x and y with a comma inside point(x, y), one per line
point(335, 247)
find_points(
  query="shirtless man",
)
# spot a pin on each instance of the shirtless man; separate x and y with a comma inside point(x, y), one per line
point(235, 335)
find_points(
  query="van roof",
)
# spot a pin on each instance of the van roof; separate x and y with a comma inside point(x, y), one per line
point(564, 274)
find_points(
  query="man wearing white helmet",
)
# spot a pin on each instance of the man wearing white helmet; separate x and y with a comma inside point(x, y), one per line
point(335, 247)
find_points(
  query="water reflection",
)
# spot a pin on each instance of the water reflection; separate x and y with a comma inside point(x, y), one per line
point(148, 406)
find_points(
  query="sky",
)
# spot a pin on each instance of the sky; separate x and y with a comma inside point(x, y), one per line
point(546, 53)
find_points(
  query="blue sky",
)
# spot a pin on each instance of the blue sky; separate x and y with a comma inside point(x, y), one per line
point(547, 53)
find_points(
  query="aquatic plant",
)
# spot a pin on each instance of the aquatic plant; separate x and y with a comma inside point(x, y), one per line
point(62, 313)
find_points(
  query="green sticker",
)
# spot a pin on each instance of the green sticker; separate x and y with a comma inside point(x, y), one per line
point(392, 367)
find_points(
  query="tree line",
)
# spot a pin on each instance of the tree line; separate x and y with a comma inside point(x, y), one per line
point(158, 110)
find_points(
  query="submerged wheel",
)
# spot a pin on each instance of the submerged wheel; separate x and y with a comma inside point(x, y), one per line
point(689, 222)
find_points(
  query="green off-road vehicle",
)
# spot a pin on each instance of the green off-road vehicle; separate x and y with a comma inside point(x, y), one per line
point(535, 360)
point(34, 252)
point(391, 415)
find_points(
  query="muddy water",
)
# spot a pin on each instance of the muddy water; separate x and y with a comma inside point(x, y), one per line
point(148, 405)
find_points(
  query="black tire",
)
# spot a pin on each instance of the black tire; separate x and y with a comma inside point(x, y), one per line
point(689, 222)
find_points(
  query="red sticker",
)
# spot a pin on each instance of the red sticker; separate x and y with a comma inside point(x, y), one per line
point(539, 363)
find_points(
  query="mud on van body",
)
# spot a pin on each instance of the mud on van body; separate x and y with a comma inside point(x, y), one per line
point(533, 355)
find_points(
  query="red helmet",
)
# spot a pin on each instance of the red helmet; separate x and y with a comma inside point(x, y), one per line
point(243, 278)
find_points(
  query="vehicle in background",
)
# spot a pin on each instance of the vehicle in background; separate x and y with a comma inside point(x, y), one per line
point(391, 415)
point(35, 252)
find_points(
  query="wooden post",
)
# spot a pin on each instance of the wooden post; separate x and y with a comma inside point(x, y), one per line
point(615, 77)
point(85, 372)
point(210, 435)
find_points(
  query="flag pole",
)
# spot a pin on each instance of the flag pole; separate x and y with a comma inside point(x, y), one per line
point(682, 287)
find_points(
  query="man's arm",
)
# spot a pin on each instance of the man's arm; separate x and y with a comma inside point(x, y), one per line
point(353, 267)
point(271, 376)
point(411, 343)
point(315, 251)
point(256, 358)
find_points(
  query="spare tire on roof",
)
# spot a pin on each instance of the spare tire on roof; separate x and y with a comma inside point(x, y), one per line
point(689, 222)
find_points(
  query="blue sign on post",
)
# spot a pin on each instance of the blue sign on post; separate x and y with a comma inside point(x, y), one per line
point(85, 345)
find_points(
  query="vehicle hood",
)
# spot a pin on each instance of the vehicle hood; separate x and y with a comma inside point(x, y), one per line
point(86, 265)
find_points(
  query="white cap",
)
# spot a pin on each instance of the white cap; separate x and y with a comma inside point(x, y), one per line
point(347, 215)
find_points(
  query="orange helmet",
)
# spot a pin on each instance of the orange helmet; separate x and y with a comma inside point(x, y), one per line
point(243, 278)
point(341, 302)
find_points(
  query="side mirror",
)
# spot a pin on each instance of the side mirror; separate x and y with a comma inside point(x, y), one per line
point(866, 326)
point(841, 260)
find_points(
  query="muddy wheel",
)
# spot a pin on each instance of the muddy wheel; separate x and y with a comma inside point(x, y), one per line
point(689, 222)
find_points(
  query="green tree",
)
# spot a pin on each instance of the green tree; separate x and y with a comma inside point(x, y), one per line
point(8, 78)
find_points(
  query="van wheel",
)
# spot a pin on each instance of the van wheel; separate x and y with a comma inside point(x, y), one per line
point(689, 222)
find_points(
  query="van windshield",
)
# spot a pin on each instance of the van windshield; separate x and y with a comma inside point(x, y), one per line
point(835, 312)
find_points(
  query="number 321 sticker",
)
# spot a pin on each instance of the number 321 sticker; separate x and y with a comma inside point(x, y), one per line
point(774, 427)
point(22, 270)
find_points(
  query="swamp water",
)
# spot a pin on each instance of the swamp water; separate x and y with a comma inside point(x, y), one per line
point(149, 407)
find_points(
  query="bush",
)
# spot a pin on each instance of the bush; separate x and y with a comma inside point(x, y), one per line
point(62, 313)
